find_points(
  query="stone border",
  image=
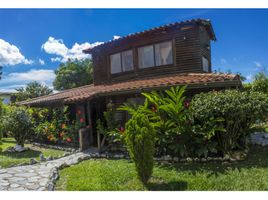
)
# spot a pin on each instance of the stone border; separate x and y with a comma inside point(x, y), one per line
point(33, 161)
point(62, 148)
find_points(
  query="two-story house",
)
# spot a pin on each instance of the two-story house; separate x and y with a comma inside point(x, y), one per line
point(155, 59)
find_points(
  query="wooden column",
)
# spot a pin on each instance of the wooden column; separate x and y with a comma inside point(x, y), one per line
point(90, 125)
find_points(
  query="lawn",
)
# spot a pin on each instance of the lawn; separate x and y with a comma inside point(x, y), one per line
point(8, 159)
point(112, 175)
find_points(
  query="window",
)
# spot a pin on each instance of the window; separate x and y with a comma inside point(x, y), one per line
point(146, 56)
point(115, 63)
point(121, 62)
point(127, 60)
point(163, 53)
point(205, 64)
point(155, 55)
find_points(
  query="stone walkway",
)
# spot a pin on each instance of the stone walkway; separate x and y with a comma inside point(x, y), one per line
point(41, 176)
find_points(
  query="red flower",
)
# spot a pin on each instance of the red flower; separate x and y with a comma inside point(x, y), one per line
point(78, 112)
point(82, 120)
point(186, 104)
point(154, 109)
point(69, 139)
point(122, 129)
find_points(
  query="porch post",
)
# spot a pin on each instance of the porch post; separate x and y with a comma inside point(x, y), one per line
point(90, 128)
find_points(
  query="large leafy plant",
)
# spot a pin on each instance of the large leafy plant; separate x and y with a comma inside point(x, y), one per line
point(170, 107)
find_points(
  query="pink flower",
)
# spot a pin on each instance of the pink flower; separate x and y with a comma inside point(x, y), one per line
point(82, 120)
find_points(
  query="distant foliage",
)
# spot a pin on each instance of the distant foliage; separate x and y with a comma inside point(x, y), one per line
point(32, 90)
point(260, 83)
point(139, 137)
point(73, 74)
point(18, 123)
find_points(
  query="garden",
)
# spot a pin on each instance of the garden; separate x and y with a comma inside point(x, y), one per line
point(174, 142)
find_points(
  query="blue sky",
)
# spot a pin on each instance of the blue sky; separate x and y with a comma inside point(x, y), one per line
point(33, 42)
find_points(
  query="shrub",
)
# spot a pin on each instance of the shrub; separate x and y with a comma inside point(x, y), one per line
point(18, 123)
point(238, 111)
point(139, 135)
point(55, 127)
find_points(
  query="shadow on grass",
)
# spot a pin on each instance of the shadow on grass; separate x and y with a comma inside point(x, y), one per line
point(169, 186)
point(25, 154)
point(257, 158)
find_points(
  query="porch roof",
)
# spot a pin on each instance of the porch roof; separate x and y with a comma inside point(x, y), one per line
point(80, 94)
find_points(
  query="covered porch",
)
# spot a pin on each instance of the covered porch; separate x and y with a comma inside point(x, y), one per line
point(88, 103)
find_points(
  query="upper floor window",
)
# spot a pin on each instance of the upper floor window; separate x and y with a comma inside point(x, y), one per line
point(121, 62)
point(205, 64)
point(146, 56)
point(127, 60)
point(155, 55)
point(163, 53)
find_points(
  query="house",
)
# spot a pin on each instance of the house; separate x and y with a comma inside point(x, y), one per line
point(6, 97)
point(174, 54)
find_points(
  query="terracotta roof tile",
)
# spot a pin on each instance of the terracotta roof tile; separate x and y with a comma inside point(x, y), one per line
point(90, 91)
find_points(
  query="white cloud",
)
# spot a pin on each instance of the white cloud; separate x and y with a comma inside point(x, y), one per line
point(258, 64)
point(32, 75)
point(58, 48)
point(116, 37)
point(223, 61)
point(249, 78)
point(56, 59)
point(42, 62)
point(20, 79)
point(11, 55)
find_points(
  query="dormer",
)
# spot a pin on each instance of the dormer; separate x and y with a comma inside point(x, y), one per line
point(179, 47)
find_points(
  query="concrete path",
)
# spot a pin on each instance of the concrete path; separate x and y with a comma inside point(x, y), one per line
point(41, 176)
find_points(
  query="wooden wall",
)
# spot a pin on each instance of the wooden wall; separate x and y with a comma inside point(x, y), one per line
point(189, 44)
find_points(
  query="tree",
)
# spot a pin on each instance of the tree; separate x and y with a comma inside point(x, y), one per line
point(73, 74)
point(18, 123)
point(260, 83)
point(32, 90)
point(139, 137)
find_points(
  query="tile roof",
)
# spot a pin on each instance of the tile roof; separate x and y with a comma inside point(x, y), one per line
point(205, 22)
point(192, 80)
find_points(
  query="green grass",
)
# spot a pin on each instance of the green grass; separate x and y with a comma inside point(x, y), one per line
point(8, 159)
point(111, 175)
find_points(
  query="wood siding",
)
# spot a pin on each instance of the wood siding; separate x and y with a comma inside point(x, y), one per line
point(188, 49)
